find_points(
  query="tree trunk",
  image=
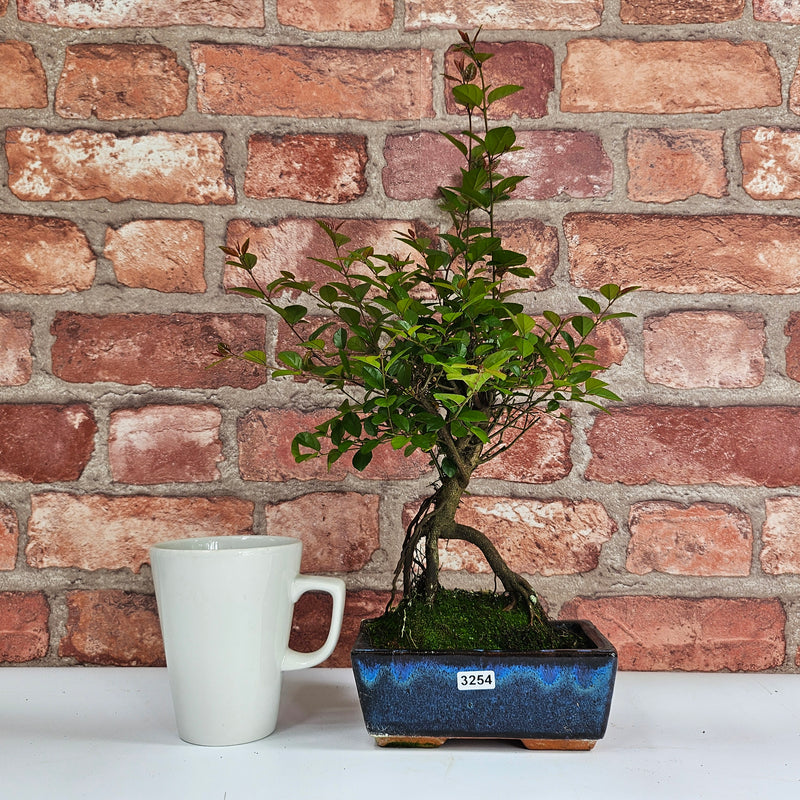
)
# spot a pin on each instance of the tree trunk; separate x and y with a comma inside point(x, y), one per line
point(419, 562)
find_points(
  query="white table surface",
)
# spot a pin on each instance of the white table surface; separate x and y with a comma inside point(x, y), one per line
point(109, 733)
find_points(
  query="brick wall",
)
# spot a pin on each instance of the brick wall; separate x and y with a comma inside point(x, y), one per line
point(663, 148)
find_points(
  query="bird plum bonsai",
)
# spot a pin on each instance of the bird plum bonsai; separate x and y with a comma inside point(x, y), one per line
point(432, 351)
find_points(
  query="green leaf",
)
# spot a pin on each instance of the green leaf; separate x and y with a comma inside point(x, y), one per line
point(500, 92)
point(448, 467)
point(256, 356)
point(248, 291)
point(349, 316)
point(319, 331)
point(583, 325)
point(450, 400)
point(500, 140)
point(352, 424)
point(462, 148)
point(293, 314)
point(579, 377)
point(552, 318)
point(472, 415)
point(591, 304)
point(610, 291)
point(508, 184)
point(508, 259)
point(247, 261)
point(328, 293)
point(605, 393)
point(305, 441)
point(478, 433)
point(497, 359)
point(481, 246)
point(334, 265)
point(338, 239)
point(524, 323)
point(291, 359)
point(361, 459)
point(618, 315)
point(468, 94)
point(334, 456)
point(373, 378)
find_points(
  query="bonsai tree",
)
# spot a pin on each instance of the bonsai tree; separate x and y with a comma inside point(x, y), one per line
point(431, 350)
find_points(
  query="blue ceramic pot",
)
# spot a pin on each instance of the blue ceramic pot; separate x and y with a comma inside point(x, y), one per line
point(548, 699)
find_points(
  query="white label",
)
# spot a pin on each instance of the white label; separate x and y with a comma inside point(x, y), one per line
point(475, 679)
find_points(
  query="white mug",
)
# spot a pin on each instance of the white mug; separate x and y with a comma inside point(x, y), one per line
point(225, 604)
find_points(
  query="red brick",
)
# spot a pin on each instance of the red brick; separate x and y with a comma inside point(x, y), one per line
point(16, 337)
point(417, 164)
point(780, 552)
point(703, 635)
point(265, 438)
point(794, 90)
point(769, 163)
point(537, 241)
point(698, 539)
point(23, 83)
point(666, 164)
point(544, 537)
point(24, 632)
point(610, 343)
point(145, 13)
point(339, 530)
point(111, 627)
point(42, 443)
point(291, 243)
point(167, 255)
point(777, 11)
point(305, 82)
point(312, 615)
point(679, 12)
point(694, 349)
point(527, 63)
point(318, 168)
point(792, 330)
point(161, 444)
point(573, 163)
point(540, 456)
point(521, 14)
point(336, 15)
point(172, 350)
point(161, 167)
point(95, 531)
point(732, 253)
point(639, 77)
point(729, 445)
point(44, 255)
point(121, 81)
point(9, 537)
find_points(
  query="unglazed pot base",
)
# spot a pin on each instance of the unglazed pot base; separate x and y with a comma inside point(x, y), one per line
point(529, 744)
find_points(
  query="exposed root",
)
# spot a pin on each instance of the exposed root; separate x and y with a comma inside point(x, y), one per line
point(519, 591)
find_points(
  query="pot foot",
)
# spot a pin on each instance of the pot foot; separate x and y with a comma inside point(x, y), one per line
point(559, 744)
point(530, 744)
point(409, 741)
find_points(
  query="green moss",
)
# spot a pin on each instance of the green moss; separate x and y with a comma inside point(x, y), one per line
point(461, 620)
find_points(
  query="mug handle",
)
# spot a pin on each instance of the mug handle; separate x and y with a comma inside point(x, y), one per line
point(336, 589)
